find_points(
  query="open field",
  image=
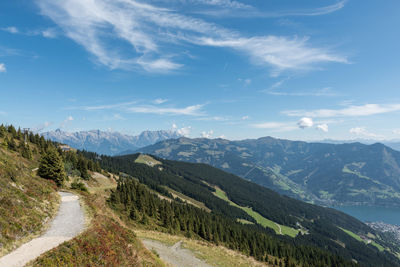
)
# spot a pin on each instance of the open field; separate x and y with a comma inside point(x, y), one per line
point(148, 160)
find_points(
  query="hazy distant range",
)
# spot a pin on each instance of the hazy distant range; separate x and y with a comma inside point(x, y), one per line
point(109, 143)
point(115, 143)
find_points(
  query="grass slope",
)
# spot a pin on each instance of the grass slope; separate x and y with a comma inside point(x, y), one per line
point(27, 201)
point(364, 240)
point(188, 200)
point(210, 253)
point(106, 242)
point(279, 229)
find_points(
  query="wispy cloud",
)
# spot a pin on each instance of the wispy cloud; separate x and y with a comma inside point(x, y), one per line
point(10, 29)
point(194, 110)
point(135, 107)
point(245, 10)
point(3, 67)
point(351, 111)
point(41, 127)
point(326, 92)
point(363, 132)
point(280, 52)
point(47, 33)
point(151, 31)
point(276, 126)
point(104, 107)
point(323, 127)
point(310, 12)
point(3, 113)
point(159, 101)
point(66, 121)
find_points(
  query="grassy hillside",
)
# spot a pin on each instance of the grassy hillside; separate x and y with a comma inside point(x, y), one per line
point(27, 201)
point(106, 242)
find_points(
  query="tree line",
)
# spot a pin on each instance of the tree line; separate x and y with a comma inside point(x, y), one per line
point(143, 206)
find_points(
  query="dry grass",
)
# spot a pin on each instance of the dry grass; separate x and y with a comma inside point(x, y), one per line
point(107, 240)
point(210, 253)
point(27, 202)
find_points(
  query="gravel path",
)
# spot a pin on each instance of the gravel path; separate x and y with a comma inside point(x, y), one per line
point(69, 222)
point(174, 255)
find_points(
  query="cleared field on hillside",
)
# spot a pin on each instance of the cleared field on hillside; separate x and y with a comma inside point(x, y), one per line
point(279, 229)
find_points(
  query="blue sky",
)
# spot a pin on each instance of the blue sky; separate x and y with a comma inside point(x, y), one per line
point(305, 70)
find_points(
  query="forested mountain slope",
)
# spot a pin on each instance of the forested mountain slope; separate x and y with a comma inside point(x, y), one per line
point(321, 173)
point(317, 227)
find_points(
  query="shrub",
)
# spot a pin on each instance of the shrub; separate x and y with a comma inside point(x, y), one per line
point(79, 186)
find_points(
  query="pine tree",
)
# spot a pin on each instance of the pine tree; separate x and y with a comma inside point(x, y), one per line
point(12, 145)
point(52, 167)
point(82, 168)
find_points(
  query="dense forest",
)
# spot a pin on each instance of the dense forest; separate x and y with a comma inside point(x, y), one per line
point(196, 180)
point(143, 206)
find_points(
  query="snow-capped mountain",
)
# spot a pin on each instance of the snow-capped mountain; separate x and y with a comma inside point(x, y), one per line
point(109, 143)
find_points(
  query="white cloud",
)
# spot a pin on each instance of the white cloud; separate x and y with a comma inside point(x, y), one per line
point(49, 33)
point(151, 31)
point(2, 113)
point(184, 131)
point(194, 110)
point(11, 29)
point(245, 117)
point(66, 121)
point(363, 132)
point(159, 101)
point(208, 134)
point(396, 131)
point(323, 127)
point(305, 123)
point(276, 126)
point(3, 67)
point(351, 111)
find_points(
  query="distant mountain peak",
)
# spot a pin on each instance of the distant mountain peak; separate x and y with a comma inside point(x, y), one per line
point(107, 142)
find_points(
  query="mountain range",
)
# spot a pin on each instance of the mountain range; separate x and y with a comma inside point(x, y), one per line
point(321, 173)
point(109, 143)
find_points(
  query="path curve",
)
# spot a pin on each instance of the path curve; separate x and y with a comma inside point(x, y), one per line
point(69, 222)
point(174, 255)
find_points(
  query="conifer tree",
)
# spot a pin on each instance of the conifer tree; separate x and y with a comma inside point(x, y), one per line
point(52, 167)
point(12, 145)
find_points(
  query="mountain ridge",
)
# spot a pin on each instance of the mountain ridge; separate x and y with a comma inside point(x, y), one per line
point(327, 174)
point(109, 143)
